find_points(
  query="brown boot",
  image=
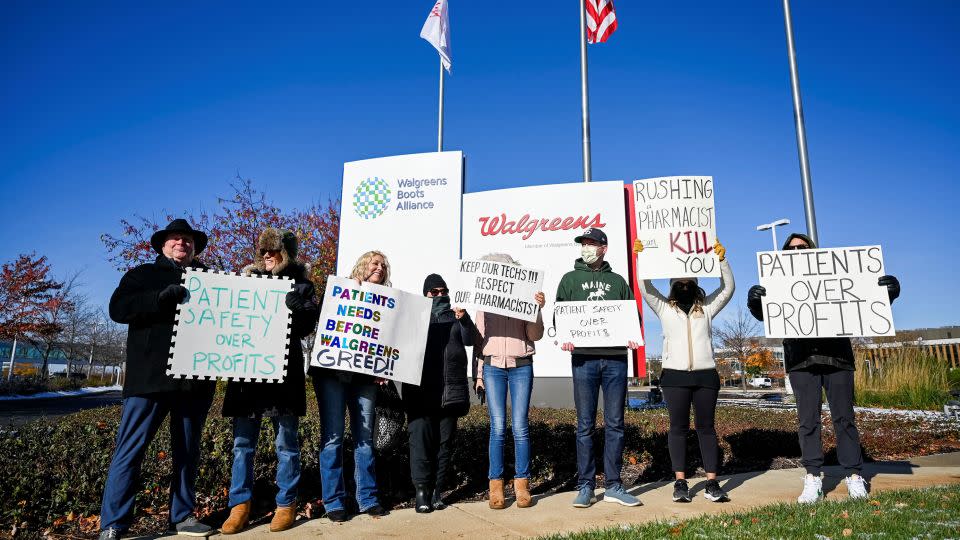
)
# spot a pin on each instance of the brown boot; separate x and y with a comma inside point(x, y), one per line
point(521, 486)
point(283, 518)
point(239, 516)
point(497, 501)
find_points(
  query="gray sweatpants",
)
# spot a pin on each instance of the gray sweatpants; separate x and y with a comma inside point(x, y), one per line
point(838, 383)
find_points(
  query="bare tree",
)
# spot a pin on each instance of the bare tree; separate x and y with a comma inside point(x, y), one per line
point(738, 337)
point(59, 310)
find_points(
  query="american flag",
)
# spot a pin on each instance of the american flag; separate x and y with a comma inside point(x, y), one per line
point(601, 20)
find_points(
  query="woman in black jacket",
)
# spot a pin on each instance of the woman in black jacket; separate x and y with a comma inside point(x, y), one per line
point(442, 396)
point(284, 403)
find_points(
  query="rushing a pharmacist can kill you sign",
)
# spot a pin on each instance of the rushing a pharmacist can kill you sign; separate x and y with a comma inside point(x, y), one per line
point(372, 329)
point(231, 327)
point(610, 323)
point(824, 293)
point(497, 287)
point(676, 222)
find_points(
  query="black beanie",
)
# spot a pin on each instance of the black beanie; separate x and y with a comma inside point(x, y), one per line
point(433, 281)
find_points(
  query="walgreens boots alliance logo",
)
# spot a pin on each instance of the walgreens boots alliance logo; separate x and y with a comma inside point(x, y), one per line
point(371, 198)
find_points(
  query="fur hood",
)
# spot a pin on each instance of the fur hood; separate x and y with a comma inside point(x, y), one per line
point(295, 270)
point(274, 240)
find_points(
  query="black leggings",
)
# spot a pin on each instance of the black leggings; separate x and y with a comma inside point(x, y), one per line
point(704, 401)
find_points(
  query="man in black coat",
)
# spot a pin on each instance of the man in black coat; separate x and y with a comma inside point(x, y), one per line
point(815, 365)
point(442, 396)
point(146, 300)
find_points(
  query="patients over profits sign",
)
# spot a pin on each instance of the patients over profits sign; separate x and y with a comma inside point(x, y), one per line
point(824, 293)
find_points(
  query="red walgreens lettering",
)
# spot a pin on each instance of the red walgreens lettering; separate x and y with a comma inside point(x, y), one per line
point(501, 225)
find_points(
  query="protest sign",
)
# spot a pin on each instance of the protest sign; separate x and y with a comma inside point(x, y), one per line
point(675, 220)
point(500, 288)
point(824, 293)
point(372, 329)
point(609, 323)
point(232, 327)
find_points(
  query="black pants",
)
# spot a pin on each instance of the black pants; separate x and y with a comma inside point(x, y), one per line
point(431, 445)
point(704, 402)
point(839, 386)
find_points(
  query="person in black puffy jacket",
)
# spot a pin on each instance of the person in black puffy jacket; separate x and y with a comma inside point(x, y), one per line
point(442, 397)
point(815, 365)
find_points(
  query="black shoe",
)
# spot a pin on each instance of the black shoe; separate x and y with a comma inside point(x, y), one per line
point(423, 504)
point(338, 516)
point(192, 527)
point(376, 511)
point(713, 492)
point(110, 534)
point(437, 501)
point(681, 492)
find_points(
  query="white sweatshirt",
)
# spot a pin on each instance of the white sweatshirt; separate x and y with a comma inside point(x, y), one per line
point(688, 339)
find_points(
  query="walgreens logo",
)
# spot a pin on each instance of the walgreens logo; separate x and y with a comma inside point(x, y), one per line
point(527, 225)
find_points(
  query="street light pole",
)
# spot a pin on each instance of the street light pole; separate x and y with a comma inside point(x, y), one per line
point(773, 228)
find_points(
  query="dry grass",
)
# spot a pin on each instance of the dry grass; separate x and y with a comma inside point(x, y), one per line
point(908, 379)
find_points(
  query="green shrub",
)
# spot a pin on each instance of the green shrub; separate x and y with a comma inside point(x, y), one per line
point(909, 379)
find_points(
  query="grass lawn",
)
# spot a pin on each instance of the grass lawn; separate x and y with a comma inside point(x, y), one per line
point(914, 513)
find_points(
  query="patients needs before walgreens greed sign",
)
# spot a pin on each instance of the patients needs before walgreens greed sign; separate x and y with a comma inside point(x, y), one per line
point(824, 293)
point(373, 330)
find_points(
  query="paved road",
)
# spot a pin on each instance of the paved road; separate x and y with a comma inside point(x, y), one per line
point(20, 411)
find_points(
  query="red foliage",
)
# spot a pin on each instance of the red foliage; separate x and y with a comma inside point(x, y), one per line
point(233, 230)
point(27, 297)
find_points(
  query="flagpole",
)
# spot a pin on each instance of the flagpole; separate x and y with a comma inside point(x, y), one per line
point(584, 94)
point(801, 130)
point(440, 122)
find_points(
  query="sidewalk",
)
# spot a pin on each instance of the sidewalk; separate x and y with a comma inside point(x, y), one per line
point(554, 514)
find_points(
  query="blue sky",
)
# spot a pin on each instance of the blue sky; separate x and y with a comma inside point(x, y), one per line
point(113, 108)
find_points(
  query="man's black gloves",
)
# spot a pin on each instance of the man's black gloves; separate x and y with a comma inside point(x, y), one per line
point(297, 299)
point(755, 300)
point(173, 295)
point(892, 284)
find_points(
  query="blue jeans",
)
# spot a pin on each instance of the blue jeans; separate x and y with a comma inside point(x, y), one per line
point(139, 421)
point(246, 432)
point(519, 381)
point(590, 374)
point(334, 397)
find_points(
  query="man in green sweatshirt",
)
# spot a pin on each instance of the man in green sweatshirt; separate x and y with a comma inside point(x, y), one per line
point(592, 279)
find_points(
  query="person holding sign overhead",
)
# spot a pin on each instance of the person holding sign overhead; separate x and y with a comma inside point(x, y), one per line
point(815, 365)
point(284, 403)
point(146, 301)
point(338, 391)
point(442, 396)
point(689, 373)
point(506, 351)
point(592, 279)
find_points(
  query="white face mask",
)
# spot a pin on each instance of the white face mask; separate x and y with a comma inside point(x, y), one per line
point(589, 254)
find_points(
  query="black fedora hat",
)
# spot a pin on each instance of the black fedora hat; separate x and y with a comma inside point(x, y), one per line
point(179, 225)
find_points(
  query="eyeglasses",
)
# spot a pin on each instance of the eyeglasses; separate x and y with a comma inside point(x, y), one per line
point(439, 292)
point(794, 248)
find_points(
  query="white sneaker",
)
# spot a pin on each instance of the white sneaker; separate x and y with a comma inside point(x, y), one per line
point(812, 489)
point(856, 487)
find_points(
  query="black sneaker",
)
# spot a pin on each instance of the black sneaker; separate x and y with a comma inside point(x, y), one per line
point(192, 527)
point(338, 516)
point(713, 492)
point(376, 511)
point(681, 492)
point(110, 534)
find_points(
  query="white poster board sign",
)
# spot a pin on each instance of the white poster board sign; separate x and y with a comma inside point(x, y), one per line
point(500, 288)
point(387, 202)
point(676, 222)
point(609, 323)
point(371, 329)
point(232, 327)
point(536, 226)
point(824, 293)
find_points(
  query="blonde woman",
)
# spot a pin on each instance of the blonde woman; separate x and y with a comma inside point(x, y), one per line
point(337, 391)
point(689, 373)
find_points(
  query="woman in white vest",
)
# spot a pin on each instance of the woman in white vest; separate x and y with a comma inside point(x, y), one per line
point(689, 373)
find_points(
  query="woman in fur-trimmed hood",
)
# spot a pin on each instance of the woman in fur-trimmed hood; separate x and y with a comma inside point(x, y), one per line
point(284, 403)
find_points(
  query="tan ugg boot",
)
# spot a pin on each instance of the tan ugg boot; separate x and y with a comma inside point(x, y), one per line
point(497, 501)
point(237, 521)
point(283, 518)
point(521, 486)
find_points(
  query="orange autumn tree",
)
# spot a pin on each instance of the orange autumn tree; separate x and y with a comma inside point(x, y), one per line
point(233, 229)
point(759, 359)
